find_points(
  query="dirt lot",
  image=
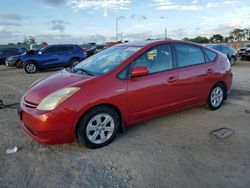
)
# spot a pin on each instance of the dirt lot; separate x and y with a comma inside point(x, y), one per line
point(171, 151)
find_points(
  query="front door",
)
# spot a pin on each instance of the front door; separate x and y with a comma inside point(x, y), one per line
point(157, 92)
point(49, 57)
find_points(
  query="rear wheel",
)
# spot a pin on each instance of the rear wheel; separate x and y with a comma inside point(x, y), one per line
point(98, 127)
point(74, 61)
point(30, 67)
point(216, 97)
point(232, 60)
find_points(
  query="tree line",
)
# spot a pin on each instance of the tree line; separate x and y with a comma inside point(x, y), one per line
point(237, 35)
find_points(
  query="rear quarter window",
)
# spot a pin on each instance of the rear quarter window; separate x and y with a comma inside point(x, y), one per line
point(211, 56)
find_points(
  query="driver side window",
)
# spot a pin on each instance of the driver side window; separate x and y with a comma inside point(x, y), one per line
point(157, 59)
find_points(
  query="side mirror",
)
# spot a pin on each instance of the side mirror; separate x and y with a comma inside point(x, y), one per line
point(40, 53)
point(139, 71)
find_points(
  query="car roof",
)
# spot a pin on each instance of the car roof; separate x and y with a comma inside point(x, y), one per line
point(140, 43)
point(155, 42)
point(58, 45)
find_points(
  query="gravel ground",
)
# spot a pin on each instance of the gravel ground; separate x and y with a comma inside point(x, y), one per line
point(172, 151)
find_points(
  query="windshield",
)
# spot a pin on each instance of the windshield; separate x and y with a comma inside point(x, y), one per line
point(105, 60)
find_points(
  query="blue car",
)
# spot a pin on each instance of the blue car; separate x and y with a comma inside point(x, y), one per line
point(230, 52)
point(52, 56)
point(8, 52)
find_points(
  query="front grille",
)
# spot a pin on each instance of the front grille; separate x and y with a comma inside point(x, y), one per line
point(29, 104)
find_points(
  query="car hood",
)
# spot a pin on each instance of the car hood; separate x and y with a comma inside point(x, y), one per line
point(14, 57)
point(45, 86)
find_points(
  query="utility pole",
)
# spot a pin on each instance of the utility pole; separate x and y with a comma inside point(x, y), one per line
point(166, 33)
point(116, 26)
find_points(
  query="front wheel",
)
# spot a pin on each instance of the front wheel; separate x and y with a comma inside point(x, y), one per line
point(19, 65)
point(98, 127)
point(30, 67)
point(216, 97)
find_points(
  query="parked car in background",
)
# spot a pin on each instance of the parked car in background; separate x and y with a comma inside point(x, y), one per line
point(230, 52)
point(90, 51)
point(95, 49)
point(52, 56)
point(246, 54)
point(8, 52)
point(121, 86)
point(243, 48)
point(15, 61)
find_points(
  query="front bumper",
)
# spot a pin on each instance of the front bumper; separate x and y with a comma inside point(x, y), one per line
point(9, 63)
point(246, 54)
point(48, 127)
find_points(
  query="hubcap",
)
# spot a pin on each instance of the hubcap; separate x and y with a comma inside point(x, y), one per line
point(232, 61)
point(100, 128)
point(31, 68)
point(216, 96)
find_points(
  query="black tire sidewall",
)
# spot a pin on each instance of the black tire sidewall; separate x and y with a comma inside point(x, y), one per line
point(18, 65)
point(81, 132)
point(73, 60)
point(210, 106)
point(28, 64)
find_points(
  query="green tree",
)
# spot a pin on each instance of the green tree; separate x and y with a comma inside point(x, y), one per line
point(217, 38)
point(238, 34)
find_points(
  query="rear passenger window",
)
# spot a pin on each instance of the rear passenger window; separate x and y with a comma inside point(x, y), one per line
point(63, 48)
point(189, 55)
point(210, 55)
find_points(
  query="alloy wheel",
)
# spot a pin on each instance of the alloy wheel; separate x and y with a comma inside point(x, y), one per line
point(216, 97)
point(100, 128)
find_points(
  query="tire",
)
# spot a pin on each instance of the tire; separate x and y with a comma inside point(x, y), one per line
point(30, 67)
point(232, 61)
point(216, 97)
point(74, 61)
point(242, 58)
point(19, 65)
point(91, 133)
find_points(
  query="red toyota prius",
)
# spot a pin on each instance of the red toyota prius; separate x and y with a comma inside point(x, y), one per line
point(121, 86)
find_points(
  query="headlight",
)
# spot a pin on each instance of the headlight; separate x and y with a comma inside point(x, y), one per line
point(54, 99)
point(10, 58)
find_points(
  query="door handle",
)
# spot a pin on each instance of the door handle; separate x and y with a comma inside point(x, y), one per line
point(172, 79)
point(209, 71)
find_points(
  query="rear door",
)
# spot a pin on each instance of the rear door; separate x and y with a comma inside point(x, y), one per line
point(194, 74)
point(156, 92)
point(64, 54)
point(49, 57)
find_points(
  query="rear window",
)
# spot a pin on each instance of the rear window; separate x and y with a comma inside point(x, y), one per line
point(211, 56)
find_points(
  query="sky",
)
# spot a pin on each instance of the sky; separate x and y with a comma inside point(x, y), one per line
point(81, 21)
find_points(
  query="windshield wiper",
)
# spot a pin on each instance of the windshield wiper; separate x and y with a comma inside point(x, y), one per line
point(83, 70)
